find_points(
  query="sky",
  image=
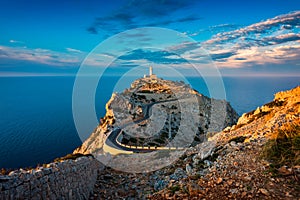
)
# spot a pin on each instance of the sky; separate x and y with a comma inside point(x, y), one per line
point(240, 38)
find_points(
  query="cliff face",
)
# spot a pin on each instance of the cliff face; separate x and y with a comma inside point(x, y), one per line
point(235, 167)
point(67, 179)
point(207, 115)
point(227, 166)
point(285, 108)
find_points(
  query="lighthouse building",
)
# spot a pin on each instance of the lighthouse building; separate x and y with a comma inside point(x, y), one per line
point(151, 75)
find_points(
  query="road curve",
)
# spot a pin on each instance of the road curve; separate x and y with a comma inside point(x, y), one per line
point(111, 140)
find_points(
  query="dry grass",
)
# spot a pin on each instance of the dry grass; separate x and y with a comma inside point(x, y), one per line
point(283, 148)
point(71, 156)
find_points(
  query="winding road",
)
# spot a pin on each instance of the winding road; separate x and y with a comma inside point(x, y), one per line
point(111, 140)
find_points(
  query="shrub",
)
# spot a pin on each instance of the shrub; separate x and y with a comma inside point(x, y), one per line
point(276, 103)
point(174, 188)
point(4, 171)
point(284, 146)
point(133, 140)
point(249, 113)
point(71, 156)
point(159, 141)
point(238, 139)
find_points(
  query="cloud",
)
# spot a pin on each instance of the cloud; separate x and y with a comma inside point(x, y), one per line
point(73, 50)
point(160, 57)
point(16, 42)
point(281, 38)
point(137, 13)
point(168, 22)
point(92, 30)
point(42, 56)
point(291, 20)
point(184, 47)
point(285, 55)
point(222, 28)
point(221, 56)
point(273, 41)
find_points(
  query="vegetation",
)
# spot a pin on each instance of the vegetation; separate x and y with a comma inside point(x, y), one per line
point(4, 171)
point(238, 139)
point(252, 117)
point(133, 140)
point(249, 113)
point(71, 156)
point(125, 141)
point(284, 146)
point(197, 139)
point(275, 103)
point(174, 188)
point(159, 141)
point(259, 115)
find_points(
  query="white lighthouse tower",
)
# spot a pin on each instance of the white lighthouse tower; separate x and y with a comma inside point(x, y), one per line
point(150, 71)
point(151, 75)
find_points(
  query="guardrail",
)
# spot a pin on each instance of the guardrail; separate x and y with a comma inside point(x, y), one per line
point(144, 147)
point(119, 138)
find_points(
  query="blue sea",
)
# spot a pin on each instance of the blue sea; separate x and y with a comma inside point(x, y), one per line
point(36, 121)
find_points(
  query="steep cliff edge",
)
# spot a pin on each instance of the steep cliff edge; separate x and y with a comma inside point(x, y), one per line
point(66, 178)
point(228, 166)
point(257, 158)
point(169, 100)
point(262, 122)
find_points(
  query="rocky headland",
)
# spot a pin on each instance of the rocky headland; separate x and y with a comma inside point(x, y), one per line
point(256, 156)
point(235, 163)
point(171, 100)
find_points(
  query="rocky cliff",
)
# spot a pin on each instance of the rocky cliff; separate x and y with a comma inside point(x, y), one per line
point(209, 115)
point(62, 179)
point(229, 165)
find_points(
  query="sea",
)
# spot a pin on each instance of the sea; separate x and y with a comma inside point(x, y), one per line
point(36, 120)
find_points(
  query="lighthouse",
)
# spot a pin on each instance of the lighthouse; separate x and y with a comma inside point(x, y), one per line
point(150, 71)
point(151, 75)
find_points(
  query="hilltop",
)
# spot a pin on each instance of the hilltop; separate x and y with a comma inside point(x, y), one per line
point(167, 101)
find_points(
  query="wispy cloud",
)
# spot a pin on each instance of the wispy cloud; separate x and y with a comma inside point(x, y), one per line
point(139, 13)
point(73, 50)
point(160, 57)
point(42, 56)
point(273, 41)
point(277, 24)
point(16, 42)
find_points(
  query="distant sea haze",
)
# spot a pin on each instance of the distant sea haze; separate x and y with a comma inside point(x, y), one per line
point(36, 121)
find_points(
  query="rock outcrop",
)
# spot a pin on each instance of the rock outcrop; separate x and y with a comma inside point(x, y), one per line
point(177, 98)
point(264, 120)
point(228, 166)
point(234, 167)
point(67, 179)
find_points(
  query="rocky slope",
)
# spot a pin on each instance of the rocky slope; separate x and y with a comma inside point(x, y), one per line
point(70, 177)
point(227, 166)
point(205, 114)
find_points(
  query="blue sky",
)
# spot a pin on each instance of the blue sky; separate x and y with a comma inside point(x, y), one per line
point(241, 37)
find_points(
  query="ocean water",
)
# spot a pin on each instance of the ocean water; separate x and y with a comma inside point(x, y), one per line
point(36, 121)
